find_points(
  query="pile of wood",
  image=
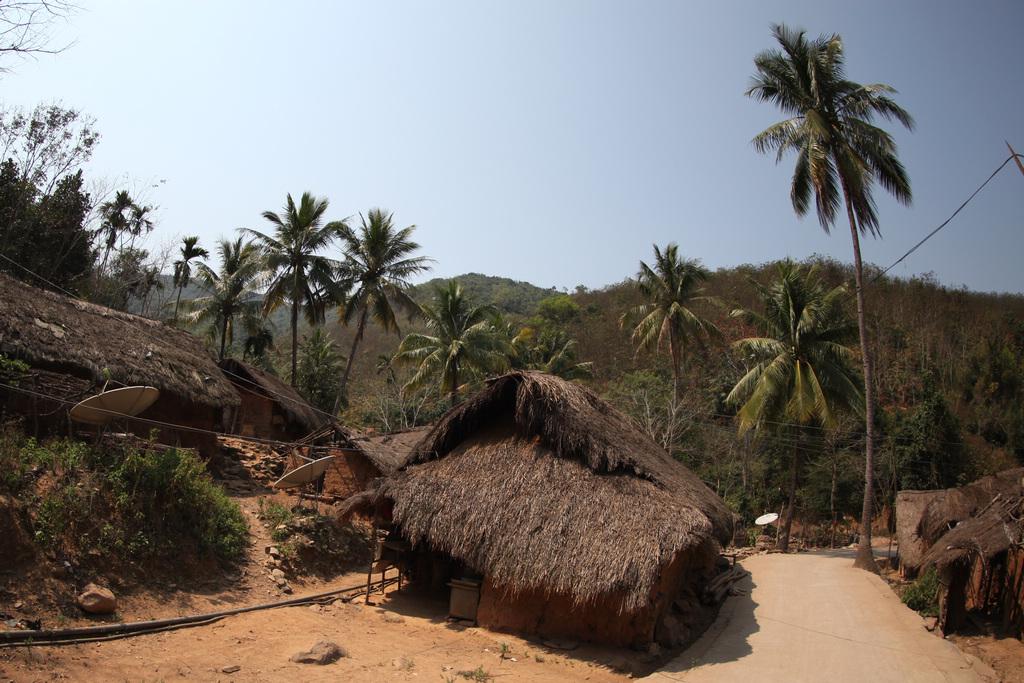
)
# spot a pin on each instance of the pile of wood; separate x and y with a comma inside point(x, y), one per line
point(725, 584)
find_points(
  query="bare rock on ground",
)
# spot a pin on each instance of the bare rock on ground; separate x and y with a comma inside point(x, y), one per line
point(97, 600)
point(324, 652)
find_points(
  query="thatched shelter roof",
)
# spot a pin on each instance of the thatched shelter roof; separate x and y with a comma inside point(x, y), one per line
point(990, 532)
point(910, 508)
point(57, 332)
point(389, 451)
point(541, 485)
point(291, 402)
point(945, 511)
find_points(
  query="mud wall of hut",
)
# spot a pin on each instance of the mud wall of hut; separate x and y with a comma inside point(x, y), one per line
point(260, 416)
point(599, 620)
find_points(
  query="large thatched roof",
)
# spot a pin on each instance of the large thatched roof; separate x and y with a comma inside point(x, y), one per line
point(291, 402)
point(389, 451)
point(56, 332)
point(540, 484)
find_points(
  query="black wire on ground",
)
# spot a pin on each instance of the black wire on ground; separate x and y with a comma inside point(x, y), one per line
point(87, 634)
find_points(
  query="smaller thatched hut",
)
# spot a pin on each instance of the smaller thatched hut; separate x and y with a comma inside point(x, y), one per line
point(980, 561)
point(271, 408)
point(922, 517)
point(389, 451)
point(577, 524)
point(73, 348)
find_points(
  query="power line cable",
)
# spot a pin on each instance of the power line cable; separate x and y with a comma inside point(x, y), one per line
point(945, 222)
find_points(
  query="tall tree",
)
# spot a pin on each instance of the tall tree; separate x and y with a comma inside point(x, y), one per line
point(670, 289)
point(840, 155)
point(190, 251)
point(378, 264)
point(462, 345)
point(230, 292)
point(801, 370)
point(301, 276)
point(319, 369)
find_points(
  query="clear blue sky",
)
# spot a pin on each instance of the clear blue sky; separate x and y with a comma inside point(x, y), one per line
point(546, 141)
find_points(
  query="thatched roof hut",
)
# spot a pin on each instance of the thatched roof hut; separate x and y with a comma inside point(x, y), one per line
point(73, 347)
point(271, 408)
point(984, 536)
point(556, 498)
point(980, 560)
point(389, 451)
point(55, 332)
point(922, 517)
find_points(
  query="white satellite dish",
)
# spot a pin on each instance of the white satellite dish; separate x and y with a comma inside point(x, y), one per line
point(766, 519)
point(305, 474)
point(110, 405)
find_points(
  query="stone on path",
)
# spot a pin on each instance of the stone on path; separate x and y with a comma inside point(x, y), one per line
point(97, 600)
point(323, 652)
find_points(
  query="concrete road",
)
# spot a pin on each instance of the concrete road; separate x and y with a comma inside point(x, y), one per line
point(813, 617)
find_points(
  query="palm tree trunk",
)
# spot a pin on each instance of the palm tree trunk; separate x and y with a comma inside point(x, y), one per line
point(295, 339)
point(223, 337)
point(865, 559)
point(453, 390)
point(351, 358)
point(787, 522)
point(676, 366)
point(177, 303)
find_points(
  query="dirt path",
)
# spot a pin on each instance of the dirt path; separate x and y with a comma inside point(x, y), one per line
point(812, 617)
point(408, 640)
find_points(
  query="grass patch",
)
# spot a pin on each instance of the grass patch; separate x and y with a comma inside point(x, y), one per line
point(479, 675)
point(923, 594)
point(275, 514)
point(131, 504)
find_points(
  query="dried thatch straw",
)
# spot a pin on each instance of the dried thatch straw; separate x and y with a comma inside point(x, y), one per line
point(991, 532)
point(56, 332)
point(254, 380)
point(539, 484)
point(910, 508)
point(389, 451)
point(957, 505)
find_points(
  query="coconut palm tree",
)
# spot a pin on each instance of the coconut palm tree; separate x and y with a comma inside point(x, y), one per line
point(462, 345)
point(378, 264)
point(801, 369)
point(230, 292)
point(300, 275)
point(840, 155)
point(190, 251)
point(549, 350)
point(670, 288)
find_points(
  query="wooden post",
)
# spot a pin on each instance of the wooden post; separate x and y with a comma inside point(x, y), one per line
point(1016, 157)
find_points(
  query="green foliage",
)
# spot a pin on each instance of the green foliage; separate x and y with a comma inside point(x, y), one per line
point(923, 594)
point(559, 309)
point(12, 370)
point(478, 675)
point(666, 319)
point(508, 296)
point(44, 230)
point(229, 296)
point(319, 370)
point(275, 515)
point(134, 504)
point(463, 348)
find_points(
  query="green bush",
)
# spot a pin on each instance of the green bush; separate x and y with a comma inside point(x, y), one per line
point(923, 594)
point(131, 503)
point(275, 514)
